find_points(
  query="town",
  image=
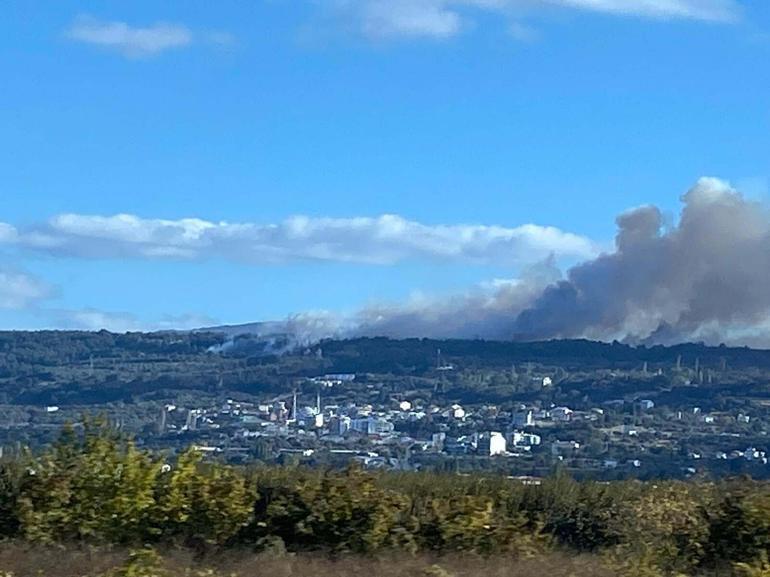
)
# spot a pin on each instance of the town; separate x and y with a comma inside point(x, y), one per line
point(675, 417)
point(406, 433)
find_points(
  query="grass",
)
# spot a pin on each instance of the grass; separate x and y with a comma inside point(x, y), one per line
point(23, 560)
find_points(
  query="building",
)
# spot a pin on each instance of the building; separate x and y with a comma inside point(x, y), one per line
point(279, 411)
point(191, 422)
point(334, 380)
point(372, 426)
point(492, 443)
point(343, 425)
point(307, 413)
point(524, 419)
point(561, 414)
point(457, 412)
point(438, 440)
point(524, 439)
point(561, 447)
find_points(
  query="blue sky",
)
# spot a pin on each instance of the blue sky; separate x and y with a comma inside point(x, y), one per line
point(283, 131)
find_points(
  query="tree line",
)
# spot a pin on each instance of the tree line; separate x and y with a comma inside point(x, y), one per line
point(95, 487)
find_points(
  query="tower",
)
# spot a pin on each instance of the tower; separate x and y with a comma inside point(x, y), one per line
point(162, 422)
point(192, 420)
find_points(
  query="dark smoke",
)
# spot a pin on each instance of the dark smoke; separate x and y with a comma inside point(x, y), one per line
point(705, 278)
point(708, 278)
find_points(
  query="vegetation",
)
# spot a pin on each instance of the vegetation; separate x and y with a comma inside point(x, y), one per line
point(22, 560)
point(711, 412)
point(70, 368)
point(96, 502)
point(93, 488)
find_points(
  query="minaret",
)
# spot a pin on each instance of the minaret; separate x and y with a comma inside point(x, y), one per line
point(162, 423)
point(294, 407)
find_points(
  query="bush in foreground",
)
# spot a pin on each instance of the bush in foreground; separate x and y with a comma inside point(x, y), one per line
point(96, 489)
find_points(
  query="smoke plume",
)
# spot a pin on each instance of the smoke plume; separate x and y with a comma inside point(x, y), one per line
point(705, 278)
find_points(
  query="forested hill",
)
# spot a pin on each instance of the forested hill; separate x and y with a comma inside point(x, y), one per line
point(173, 388)
point(576, 354)
point(63, 367)
point(55, 348)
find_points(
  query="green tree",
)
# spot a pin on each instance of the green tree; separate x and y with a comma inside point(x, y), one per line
point(11, 473)
point(337, 512)
point(204, 504)
point(96, 487)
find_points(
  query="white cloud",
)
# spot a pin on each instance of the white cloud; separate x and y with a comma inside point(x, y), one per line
point(131, 41)
point(20, 290)
point(90, 319)
point(387, 239)
point(382, 19)
point(7, 233)
point(440, 19)
point(706, 10)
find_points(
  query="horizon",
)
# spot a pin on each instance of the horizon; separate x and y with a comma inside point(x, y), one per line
point(227, 331)
point(441, 168)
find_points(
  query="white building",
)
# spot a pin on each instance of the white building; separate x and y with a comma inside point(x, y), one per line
point(454, 412)
point(492, 443)
point(371, 426)
point(519, 439)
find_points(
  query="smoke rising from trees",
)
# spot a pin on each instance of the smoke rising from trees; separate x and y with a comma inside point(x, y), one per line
point(705, 278)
